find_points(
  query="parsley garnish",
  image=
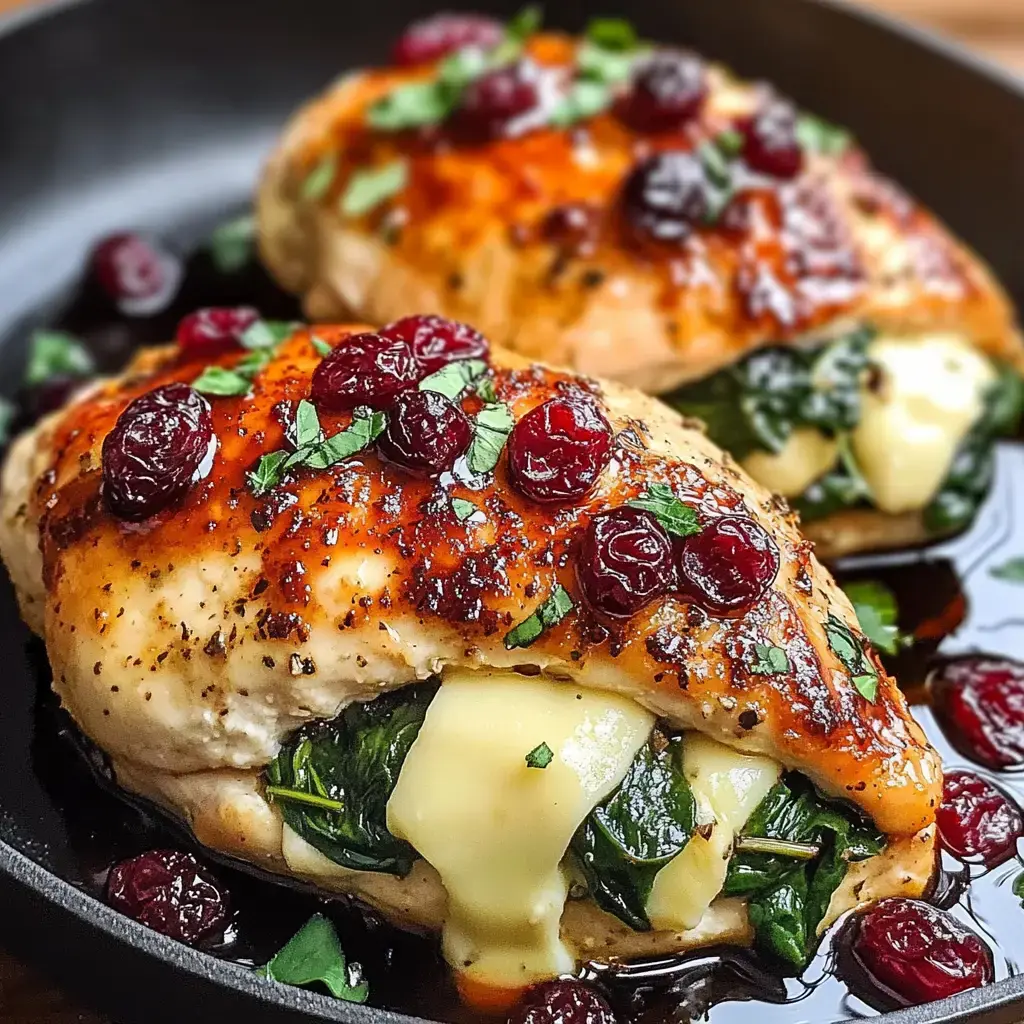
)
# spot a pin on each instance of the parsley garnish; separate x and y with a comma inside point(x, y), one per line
point(463, 510)
point(262, 339)
point(222, 382)
point(608, 52)
point(584, 99)
point(549, 613)
point(771, 660)
point(320, 179)
point(540, 757)
point(662, 503)
point(491, 427)
point(1018, 887)
point(849, 649)
point(231, 244)
point(1012, 570)
point(57, 354)
point(305, 429)
point(267, 333)
point(370, 187)
point(612, 34)
point(267, 474)
point(455, 378)
point(321, 346)
point(821, 136)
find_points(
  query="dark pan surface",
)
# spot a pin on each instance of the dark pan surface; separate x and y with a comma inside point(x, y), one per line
point(119, 114)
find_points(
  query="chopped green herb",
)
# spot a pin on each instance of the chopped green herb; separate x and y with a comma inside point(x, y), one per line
point(463, 510)
point(540, 757)
point(605, 67)
point(867, 685)
point(549, 613)
point(850, 650)
point(305, 430)
point(821, 136)
point(584, 99)
point(612, 34)
point(491, 427)
point(320, 179)
point(1018, 887)
point(321, 346)
point(454, 378)
point(220, 381)
point(1011, 570)
point(715, 163)
point(314, 956)
point(525, 23)
point(875, 605)
point(367, 189)
point(729, 142)
point(673, 514)
point(231, 245)
point(267, 333)
point(267, 474)
point(415, 105)
point(771, 660)
point(485, 390)
point(365, 428)
point(57, 354)
point(8, 410)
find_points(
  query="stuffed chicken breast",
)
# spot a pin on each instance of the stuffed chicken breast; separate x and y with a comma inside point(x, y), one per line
point(640, 214)
point(509, 653)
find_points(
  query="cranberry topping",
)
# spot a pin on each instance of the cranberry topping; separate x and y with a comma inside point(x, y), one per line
point(214, 329)
point(728, 565)
point(161, 444)
point(557, 451)
point(665, 197)
point(978, 821)
point(137, 274)
point(624, 562)
point(565, 1001)
point(425, 433)
point(980, 703)
point(170, 892)
point(770, 143)
point(574, 227)
point(667, 91)
point(436, 341)
point(494, 101)
point(365, 369)
point(905, 952)
point(445, 33)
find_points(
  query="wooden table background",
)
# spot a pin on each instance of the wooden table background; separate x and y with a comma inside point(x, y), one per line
point(992, 27)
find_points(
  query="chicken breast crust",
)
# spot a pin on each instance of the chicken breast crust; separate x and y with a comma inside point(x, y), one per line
point(189, 646)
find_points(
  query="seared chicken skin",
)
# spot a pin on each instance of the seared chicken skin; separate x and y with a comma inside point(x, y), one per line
point(190, 644)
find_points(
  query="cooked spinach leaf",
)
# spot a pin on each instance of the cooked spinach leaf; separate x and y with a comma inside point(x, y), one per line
point(877, 613)
point(626, 840)
point(332, 781)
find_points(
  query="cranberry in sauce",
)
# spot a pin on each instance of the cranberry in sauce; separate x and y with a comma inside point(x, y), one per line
point(215, 329)
point(574, 227)
point(563, 1001)
point(557, 451)
point(728, 565)
point(977, 821)
point(665, 198)
point(425, 433)
point(770, 143)
point(436, 341)
point(904, 952)
point(979, 701)
point(364, 369)
point(444, 33)
point(160, 446)
point(137, 274)
point(624, 562)
point(170, 892)
point(492, 104)
point(667, 91)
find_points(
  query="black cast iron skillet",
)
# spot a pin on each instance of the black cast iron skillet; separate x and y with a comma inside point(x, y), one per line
point(116, 113)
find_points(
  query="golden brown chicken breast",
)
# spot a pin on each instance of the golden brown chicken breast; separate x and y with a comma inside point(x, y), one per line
point(460, 634)
point(639, 214)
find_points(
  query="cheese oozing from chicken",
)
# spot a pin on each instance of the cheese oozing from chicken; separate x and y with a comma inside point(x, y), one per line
point(495, 828)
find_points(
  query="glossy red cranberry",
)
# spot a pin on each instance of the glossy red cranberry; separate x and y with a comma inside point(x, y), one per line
point(665, 198)
point(425, 433)
point(905, 952)
point(565, 1001)
point(444, 33)
point(977, 821)
point(160, 446)
point(557, 451)
point(728, 565)
point(667, 91)
point(770, 143)
point(574, 227)
point(436, 341)
point(215, 329)
point(624, 562)
point(492, 104)
point(170, 892)
point(139, 275)
point(364, 369)
point(980, 703)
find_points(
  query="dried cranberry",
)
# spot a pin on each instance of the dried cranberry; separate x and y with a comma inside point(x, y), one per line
point(574, 227)
point(365, 369)
point(425, 433)
point(624, 562)
point(492, 103)
point(666, 197)
point(565, 1001)
point(170, 892)
point(905, 952)
point(667, 91)
point(557, 451)
point(139, 275)
point(728, 565)
point(38, 400)
point(978, 821)
point(445, 33)
point(436, 341)
point(980, 703)
point(214, 329)
point(770, 143)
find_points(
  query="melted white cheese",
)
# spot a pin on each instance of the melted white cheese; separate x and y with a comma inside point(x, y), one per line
point(932, 392)
point(727, 786)
point(807, 455)
point(495, 829)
